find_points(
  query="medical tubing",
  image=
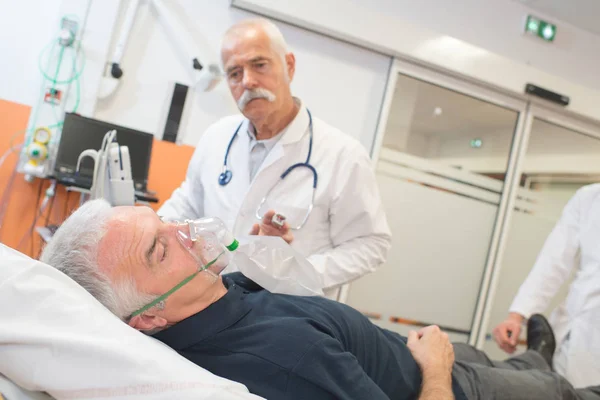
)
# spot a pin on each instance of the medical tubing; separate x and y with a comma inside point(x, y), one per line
point(310, 143)
point(75, 58)
point(174, 289)
point(229, 146)
point(66, 205)
point(51, 191)
point(37, 107)
point(29, 231)
point(6, 195)
point(11, 141)
point(75, 75)
point(77, 84)
point(58, 64)
point(7, 153)
point(58, 125)
point(7, 190)
point(78, 97)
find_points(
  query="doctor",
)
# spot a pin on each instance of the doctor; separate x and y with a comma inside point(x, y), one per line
point(574, 244)
point(280, 160)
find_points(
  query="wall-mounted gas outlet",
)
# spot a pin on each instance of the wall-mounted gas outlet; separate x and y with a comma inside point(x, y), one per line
point(68, 31)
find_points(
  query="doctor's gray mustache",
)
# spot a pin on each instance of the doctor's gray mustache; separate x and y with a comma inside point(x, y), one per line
point(251, 94)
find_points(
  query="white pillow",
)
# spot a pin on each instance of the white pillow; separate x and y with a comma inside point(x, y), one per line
point(10, 391)
point(56, 338)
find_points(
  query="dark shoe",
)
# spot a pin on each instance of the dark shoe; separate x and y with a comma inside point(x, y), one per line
point(540, 337)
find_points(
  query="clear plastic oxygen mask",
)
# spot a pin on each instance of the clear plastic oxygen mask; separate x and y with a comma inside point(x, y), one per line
point(209, 243)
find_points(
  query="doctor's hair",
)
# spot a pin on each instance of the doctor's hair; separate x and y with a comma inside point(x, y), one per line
point(278, 42)
point(73, 250)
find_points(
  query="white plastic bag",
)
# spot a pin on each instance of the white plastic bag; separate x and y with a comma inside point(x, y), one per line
point(276, 266)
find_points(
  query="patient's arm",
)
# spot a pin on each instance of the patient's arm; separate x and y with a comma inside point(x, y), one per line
point(434, 353)
point(437, 385)
point(327, 371)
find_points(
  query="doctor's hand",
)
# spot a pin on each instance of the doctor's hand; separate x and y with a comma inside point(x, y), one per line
point(266, 228)
point(432, 350)
point(506, 334)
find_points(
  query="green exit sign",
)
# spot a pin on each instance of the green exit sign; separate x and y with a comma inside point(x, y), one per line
point(540, 28)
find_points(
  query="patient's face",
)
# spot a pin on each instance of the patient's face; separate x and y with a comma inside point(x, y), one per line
point(139, 245)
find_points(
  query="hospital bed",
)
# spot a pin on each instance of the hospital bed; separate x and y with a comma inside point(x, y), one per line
point(58, 342)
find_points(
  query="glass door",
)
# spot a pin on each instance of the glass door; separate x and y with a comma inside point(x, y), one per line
point(442, 159)
point(561, 156)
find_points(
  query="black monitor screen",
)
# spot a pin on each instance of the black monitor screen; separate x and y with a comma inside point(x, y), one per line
point(80, 133)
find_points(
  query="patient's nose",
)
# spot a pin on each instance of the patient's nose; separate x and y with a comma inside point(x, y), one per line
point(182, 233)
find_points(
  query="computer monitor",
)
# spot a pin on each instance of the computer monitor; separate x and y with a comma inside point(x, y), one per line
point(81, 133)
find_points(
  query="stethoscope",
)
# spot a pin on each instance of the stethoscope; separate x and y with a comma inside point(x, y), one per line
point(226, 174)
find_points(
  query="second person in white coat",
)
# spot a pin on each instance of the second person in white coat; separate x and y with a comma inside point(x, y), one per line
point(346, 234)
point(573, 246)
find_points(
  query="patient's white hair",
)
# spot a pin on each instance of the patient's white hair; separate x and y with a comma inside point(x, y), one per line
point(74, 251)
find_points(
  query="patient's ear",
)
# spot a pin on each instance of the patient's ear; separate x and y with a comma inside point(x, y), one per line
point(145, 322)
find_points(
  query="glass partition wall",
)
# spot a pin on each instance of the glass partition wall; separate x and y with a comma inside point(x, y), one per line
point(472, 181)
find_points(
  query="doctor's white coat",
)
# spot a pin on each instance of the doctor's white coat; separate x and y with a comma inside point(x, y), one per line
point(346, 235)
point(576, 322)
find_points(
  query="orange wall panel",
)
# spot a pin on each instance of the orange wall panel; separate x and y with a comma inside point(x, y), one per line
point(167, 170)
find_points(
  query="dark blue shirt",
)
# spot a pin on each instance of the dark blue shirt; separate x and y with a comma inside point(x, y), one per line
point(290, 347)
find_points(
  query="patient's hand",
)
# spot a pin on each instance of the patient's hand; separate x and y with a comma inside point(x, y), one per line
point(266, 228)
point(432, 350)
point(434, 353)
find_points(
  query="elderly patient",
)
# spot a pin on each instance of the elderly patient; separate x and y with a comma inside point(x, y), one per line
point(279, 346)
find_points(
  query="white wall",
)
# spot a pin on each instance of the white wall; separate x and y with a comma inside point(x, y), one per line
point(479, 39)
point(24, 33)
point(29, 31)
point(496, 25)
point(469, 36)
point(28, 26)
point(340, 83)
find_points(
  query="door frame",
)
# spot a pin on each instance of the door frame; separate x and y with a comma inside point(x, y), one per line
point(484, 93)
point(550, 113)
point(528, 108)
